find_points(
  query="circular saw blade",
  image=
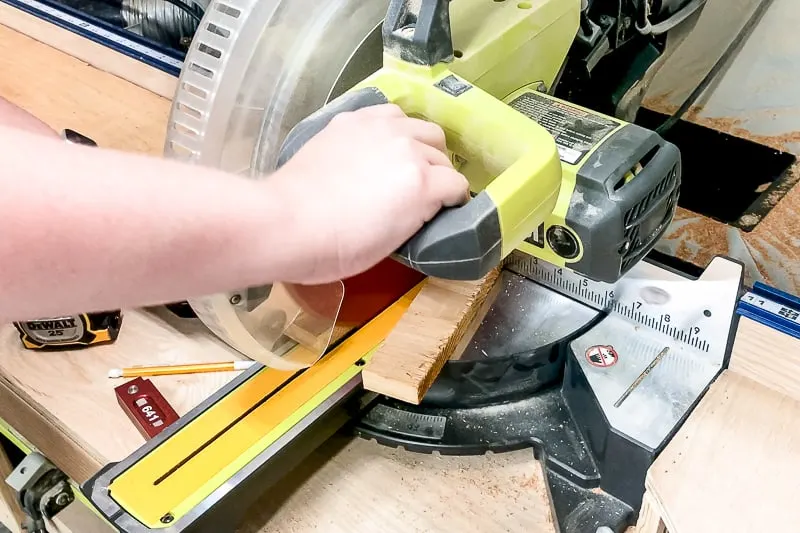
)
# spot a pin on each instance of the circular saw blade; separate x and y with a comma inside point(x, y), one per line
point(255, 68)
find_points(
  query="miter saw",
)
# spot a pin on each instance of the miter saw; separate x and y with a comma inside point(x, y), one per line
point(590, 355)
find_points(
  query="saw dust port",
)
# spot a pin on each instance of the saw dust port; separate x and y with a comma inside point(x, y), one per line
point(734, 180)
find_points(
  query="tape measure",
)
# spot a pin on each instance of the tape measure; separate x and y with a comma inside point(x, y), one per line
point(70, 332)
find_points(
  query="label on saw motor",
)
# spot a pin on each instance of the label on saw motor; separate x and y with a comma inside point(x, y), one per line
point(576, 130)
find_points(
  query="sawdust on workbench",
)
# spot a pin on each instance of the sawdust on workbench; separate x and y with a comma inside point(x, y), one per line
point(358, 486)
point(730, 125)
point(771, 252)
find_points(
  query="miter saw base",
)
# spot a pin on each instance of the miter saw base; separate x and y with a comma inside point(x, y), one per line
point(590, 391)
point(542, 422)
point(527, 381)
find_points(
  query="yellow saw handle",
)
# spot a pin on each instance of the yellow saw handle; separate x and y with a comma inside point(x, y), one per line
point(518, 155)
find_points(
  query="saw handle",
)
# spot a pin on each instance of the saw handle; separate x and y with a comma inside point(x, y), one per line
point(307, 128)
point(454, 228)
point(466, 242)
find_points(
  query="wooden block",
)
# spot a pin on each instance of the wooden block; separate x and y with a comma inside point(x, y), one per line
point(649, 517)
point(734, 465)
point(95, 54)
point(431, 332)
point(770, 359)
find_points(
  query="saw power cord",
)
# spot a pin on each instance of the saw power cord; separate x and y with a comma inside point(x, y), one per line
point(733, 47)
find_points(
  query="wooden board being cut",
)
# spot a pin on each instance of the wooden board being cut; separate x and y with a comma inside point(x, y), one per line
point(430, 333)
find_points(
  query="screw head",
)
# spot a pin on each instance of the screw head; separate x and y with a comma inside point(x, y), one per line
point(236, 299)
point(63, 499)
point(167, 518)
point(133, 389)
point(562, 242)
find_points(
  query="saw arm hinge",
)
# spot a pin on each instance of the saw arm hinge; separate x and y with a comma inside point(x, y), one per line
point(419, 31)
point(42, 490)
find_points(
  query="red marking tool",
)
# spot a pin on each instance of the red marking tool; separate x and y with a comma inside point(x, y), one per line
point(145, 406)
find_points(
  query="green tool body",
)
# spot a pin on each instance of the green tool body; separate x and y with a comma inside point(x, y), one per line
point(558, 182)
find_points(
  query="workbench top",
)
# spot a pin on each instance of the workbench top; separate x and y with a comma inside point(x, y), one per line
point(64, 404)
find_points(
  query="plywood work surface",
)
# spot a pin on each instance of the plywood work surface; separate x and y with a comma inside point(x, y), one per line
point(735, 466)
point(74, 397)
point(355, 486)
point(65, 92)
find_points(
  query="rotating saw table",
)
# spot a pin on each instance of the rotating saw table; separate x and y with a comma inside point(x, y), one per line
point(63, 405)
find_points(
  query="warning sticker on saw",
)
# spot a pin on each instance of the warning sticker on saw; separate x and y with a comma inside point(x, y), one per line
point(575, 130)
point(602, 356)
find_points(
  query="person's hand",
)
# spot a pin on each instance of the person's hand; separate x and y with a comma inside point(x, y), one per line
point(363, 186)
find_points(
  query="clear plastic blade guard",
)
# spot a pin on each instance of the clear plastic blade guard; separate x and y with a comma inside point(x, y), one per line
point(282, 326)
point(254, 69)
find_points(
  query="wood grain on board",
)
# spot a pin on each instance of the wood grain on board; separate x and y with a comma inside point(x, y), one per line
point(95, 54)
point(430, 333)
point(65, 92)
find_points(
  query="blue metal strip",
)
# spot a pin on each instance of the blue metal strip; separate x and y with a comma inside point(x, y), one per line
point(101, 32)
point(772, 307)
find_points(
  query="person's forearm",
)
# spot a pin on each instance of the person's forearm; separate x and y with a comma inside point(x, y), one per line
point(83, 230)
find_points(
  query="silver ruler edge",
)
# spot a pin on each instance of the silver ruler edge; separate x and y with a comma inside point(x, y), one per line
point(601, 296)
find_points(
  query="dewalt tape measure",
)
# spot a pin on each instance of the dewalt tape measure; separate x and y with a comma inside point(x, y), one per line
point(76, 331)
point(70, 332)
